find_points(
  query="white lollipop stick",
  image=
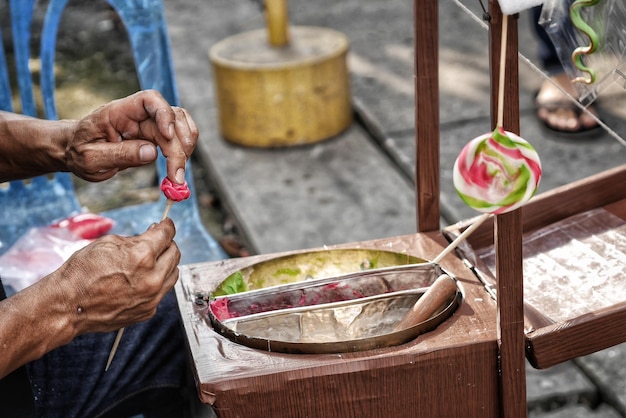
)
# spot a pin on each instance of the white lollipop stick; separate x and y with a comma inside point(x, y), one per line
point(461, 237)
point(168, 205)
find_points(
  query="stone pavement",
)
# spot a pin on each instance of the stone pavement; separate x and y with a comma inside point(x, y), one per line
point(309, 196)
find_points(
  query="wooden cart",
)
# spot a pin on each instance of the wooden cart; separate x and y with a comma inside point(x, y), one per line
point(472, 365)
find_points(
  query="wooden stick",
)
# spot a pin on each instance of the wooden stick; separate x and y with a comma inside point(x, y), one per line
point(118, 337)
point(427, 118)
point(503, 41)
point(276, 16)
point(461, 237)
point(168, 205)
point(116, 343)
point(437, 294)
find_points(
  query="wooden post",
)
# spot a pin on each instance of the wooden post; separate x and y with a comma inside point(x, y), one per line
point(508, 232)
point(426, 70)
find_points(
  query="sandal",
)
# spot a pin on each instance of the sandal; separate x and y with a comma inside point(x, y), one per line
point(559, 114)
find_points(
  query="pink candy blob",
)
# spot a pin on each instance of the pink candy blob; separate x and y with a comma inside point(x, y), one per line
point(175, 192)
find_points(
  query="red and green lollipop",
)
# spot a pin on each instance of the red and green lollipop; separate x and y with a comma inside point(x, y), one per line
point(497, 172)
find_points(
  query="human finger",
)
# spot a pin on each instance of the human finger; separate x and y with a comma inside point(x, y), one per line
point(101, 160)
point(179, 147)
point(160, 235)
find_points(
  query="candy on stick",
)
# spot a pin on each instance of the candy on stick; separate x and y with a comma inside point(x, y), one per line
point(174, 193)
point(496, 172)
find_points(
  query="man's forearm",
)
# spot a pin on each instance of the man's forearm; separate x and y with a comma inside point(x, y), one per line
point(30, 147)
point(32, 323)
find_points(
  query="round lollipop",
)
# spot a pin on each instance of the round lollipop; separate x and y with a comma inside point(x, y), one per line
point(497, 172)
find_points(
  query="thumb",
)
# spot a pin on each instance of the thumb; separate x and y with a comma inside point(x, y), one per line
point(122, 155)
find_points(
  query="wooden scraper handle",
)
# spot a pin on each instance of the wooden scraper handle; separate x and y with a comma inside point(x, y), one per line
point(277, 22)
point(437, 294)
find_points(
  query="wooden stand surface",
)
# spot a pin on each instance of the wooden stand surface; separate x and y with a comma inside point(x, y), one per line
point(449, 372)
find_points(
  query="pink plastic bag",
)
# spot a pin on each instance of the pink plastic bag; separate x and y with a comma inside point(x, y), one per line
point(42, 250)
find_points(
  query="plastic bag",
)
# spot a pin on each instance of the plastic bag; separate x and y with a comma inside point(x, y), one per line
point(607, 61)
point(42, 250)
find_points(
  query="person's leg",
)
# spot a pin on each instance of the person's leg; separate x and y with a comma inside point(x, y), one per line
point(147, 375)
point(548, 57)
point(558, 112)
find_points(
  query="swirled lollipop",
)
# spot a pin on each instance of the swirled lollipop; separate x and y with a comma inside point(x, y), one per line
point(497, 172)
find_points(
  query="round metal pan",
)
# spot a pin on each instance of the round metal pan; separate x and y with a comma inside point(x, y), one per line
point(363, 317)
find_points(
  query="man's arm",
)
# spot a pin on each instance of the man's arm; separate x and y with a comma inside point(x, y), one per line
point(120, 134)
point(30, 147)
point(34, 321)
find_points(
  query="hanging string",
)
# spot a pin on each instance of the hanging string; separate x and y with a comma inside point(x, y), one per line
point(486, 15)
point(503, 40)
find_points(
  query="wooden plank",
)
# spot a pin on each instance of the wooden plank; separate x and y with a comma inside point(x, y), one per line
point(508, 226)
point(336, 191)
point(554, 344)
point(426, 28)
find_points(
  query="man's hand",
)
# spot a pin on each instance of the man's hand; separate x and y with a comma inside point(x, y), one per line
point(126, 132)
point(117, 281)
point(109, 284)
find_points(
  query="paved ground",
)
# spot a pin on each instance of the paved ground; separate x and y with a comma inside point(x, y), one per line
point(375, 157)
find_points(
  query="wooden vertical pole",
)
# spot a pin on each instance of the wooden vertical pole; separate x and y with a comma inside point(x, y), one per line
point(426, 73)
point(277, 22)
point(508, 232)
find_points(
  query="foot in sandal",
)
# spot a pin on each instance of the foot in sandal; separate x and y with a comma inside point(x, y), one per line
point(557, 111)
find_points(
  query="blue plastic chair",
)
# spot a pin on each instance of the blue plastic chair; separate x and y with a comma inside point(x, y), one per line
point(48, 198)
